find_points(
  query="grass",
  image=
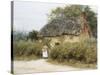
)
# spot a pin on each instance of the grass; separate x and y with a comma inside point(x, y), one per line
point(76, 64)
point(26, 58)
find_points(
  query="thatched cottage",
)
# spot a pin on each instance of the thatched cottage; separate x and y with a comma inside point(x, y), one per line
point(61, 30)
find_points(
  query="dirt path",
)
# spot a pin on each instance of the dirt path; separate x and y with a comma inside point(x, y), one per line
point(38, 66)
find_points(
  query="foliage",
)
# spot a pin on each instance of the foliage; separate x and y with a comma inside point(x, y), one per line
point(92, 20)
point(27, 48)
point(46, 42)
point(68, 11)
point(82, 51)
point(17, 35)
point(33, 35)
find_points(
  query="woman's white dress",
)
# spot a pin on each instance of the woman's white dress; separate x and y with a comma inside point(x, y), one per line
point(45, 53)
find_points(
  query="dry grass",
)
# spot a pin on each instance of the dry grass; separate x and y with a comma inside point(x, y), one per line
point(26, 58)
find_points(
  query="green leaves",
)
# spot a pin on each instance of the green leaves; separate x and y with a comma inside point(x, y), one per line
point(80, 51)
point(68, 11)
point(33, 35)
point(27, 48)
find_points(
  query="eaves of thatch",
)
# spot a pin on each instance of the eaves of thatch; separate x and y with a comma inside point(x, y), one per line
point(61, 26)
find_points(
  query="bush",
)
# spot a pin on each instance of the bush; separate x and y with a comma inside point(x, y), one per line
point(27, 48)
point(80, 51)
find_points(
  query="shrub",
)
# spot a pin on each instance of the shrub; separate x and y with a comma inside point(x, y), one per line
point(91, 54)
point(27, 48)
point(84, 51)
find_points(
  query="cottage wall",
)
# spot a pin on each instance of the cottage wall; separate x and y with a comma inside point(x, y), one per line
point(63, 39)
point(71, 38)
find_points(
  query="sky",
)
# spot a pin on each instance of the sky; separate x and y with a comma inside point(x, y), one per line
point(30, 16)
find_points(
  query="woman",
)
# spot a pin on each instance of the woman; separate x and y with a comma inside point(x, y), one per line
point(45, 51)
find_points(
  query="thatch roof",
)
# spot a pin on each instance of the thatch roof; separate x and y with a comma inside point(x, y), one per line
point(61, 26)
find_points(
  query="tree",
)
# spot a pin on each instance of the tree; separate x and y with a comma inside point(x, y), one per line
point(18, 35)
point(68, 11)
point(92, 20)
point(33, 35)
